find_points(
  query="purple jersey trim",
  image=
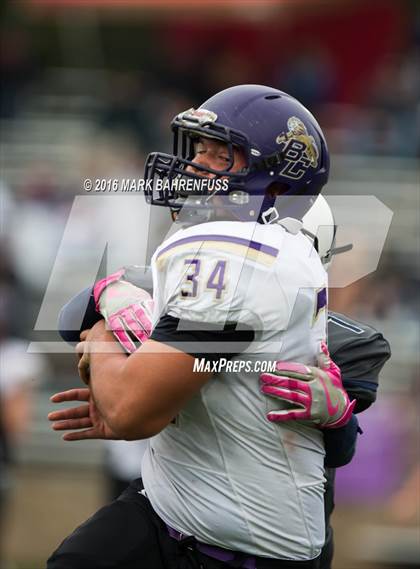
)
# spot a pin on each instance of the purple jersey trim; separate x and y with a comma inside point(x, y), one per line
point(219, 553)
point(321, 300)
point(272, 251)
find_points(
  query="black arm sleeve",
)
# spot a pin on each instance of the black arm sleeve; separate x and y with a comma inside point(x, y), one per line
point(202, 341)
point(361, 352)
point(340, 444)
point(77, 315)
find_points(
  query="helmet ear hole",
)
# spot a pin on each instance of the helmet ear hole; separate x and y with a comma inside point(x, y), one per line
point(277, 189)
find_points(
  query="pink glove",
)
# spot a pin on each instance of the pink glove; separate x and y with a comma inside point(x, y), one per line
point(316, 394)
point(126, 308)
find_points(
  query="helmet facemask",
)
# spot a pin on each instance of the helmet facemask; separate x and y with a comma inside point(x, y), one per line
point(207, 182)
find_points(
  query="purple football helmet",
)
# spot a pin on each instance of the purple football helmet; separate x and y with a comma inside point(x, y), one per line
point(285, 150)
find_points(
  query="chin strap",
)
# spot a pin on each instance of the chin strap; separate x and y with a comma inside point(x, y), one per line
point(270, 215)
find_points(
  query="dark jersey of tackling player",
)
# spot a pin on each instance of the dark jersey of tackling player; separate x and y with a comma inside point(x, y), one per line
point(361, 352)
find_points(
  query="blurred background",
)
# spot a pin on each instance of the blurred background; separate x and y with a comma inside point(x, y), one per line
point(88, 88)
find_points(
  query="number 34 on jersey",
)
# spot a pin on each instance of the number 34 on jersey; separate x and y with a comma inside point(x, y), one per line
point(203, 276)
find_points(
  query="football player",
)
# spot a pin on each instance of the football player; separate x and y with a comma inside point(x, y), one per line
point(213, 451)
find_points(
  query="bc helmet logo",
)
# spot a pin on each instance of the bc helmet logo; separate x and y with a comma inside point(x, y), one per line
point(194, 117)
point(300, 150)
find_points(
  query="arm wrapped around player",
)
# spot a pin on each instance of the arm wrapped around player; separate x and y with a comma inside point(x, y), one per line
point(315, 394)
point(126, 308)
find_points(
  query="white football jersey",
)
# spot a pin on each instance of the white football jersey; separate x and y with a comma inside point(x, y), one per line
point(222, 472)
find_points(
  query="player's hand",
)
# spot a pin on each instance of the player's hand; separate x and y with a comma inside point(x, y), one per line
point(85, 421)
point(93, 339)
point(83, 366)
point(126, 308)
point(315, 394)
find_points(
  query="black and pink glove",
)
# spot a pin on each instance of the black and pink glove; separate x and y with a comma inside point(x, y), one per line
point(126, 308)
point(315, 394)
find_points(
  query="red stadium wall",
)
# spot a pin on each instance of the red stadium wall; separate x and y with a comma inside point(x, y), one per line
point(356, 36)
